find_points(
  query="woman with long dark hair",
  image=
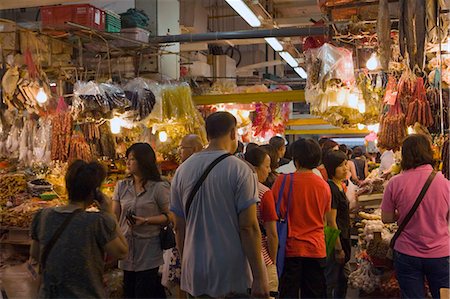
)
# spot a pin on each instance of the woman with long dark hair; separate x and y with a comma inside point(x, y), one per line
point(422, 249)
point(141, 202)
point(336, 270)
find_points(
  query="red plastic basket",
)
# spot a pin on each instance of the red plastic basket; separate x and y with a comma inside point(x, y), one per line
point(82, 14)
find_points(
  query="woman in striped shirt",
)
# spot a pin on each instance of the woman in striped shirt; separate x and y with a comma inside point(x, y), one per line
point(267, 215)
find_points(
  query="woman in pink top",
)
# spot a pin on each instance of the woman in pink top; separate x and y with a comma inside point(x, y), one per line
point(422, 249)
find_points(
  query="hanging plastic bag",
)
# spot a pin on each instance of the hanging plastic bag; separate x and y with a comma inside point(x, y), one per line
point(89, 100)
point(335, 63)
point(115, 96)
point(141, 96)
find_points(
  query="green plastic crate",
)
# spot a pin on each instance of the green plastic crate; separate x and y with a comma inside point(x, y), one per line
point(112, 22)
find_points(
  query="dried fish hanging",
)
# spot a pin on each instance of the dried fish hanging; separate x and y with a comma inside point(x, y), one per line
point(384, 33)
point(433, 99)
point(433, 8)
point(419, 108)
point(392, 127)
point(412, 31)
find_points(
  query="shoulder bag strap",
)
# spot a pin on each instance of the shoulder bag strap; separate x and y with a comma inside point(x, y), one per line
point(413, 209)
point(55, 237)
point(201, 180)
point(284, 217)
point(291, 177)
point(280, 195)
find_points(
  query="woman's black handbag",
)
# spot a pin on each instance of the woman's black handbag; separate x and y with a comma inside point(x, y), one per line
point(167, 236)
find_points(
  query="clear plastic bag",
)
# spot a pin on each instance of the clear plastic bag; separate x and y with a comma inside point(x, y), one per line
point(330, 62)
point(142, 98)
point(89, 100)
point(115, 96)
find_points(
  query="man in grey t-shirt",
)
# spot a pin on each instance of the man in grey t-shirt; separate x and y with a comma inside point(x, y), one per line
point(220, 238)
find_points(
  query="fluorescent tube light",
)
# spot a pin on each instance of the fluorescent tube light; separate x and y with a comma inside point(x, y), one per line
point(289, 59)
point(245, 12)
point(274, 43)
point(301, 72)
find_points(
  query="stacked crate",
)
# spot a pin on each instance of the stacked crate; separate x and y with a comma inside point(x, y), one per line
point(112, 22)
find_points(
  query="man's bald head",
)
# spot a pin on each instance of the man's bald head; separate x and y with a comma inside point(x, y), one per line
point(190, 144)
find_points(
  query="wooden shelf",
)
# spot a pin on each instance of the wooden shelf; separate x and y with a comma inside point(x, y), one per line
point(307, 122)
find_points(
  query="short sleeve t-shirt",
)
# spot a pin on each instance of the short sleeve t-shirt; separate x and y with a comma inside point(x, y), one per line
point(427, 233)
point(213, 262)
point(266, 213)
point(340, 203)
point(74, 267)
point(311, 199)
point(143, 240)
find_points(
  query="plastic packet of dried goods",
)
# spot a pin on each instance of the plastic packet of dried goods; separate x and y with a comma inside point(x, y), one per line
point(335, 63)
point(88, 97)
point(115, 95)
point(141, 96)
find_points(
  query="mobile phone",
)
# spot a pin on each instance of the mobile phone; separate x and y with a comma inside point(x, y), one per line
point(98, 195)
point(130, 218)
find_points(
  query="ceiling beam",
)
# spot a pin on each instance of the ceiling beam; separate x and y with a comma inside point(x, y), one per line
point(297, 21)
point(356, 4)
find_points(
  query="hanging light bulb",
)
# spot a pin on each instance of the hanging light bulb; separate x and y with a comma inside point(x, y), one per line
point(372, 63)
point(362, 107)
point(162, 136)
point(353, 101)
point(41, 96)
point(116, 125)
point(361, 126)
point(341, 97)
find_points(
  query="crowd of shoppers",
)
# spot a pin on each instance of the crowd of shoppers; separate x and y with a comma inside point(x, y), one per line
point(227, 203)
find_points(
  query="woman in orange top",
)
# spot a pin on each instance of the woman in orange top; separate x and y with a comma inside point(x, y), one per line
point(310, 203)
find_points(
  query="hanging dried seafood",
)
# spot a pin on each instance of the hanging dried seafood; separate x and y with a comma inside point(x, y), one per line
point(419, 108)
point(412, 31)
point(61, 132)
point(142, 98)
point(115, 96)
point(89, 102)
point(9, 85)
point(392, 127)
point(432, 12)
point(384, 33)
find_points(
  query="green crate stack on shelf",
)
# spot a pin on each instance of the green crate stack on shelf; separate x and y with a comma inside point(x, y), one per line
point(113, 22)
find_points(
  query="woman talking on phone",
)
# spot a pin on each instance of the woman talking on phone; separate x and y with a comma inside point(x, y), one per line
point(69, 243)
point(141, 203)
